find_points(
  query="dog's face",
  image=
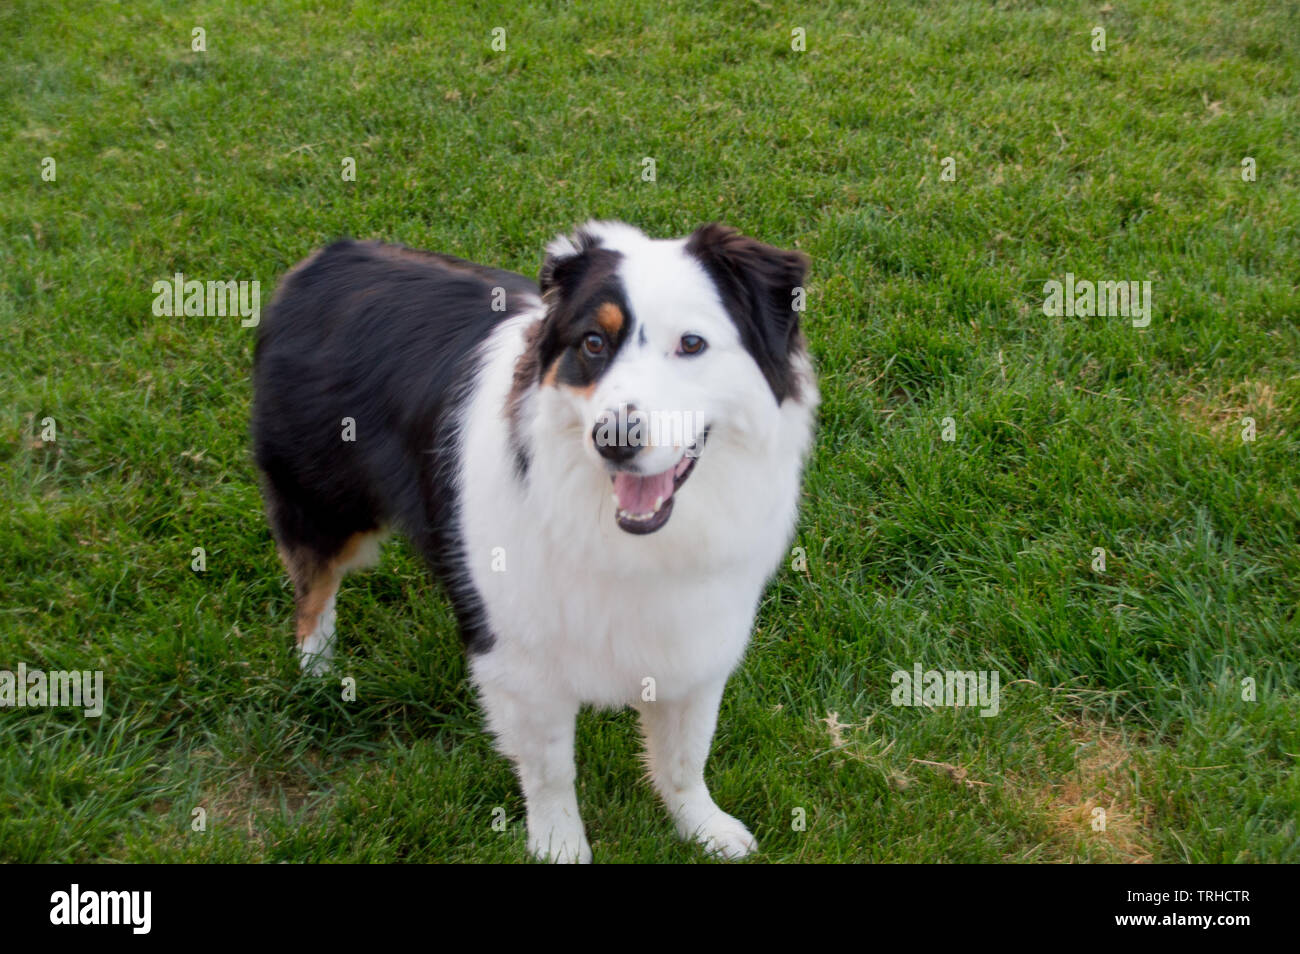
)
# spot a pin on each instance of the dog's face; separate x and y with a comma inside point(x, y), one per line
point(652, 347)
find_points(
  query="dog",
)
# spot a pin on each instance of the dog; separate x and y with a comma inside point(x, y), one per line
point(603, 468)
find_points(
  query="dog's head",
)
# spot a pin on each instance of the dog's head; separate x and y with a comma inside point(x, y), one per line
point(655, 347)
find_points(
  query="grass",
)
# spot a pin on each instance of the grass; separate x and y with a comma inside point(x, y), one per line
point(1122, 689)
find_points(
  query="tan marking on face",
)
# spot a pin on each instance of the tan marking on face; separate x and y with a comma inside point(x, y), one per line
point(549, 380)
point(610, 317)
point(586, 392)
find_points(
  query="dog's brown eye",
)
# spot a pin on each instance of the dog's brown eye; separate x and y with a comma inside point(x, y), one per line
point(692, 344)
point(593, 344)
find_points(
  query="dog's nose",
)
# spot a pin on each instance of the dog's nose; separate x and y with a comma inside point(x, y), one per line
point(617, 433)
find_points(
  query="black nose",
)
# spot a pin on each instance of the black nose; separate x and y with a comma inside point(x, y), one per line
point(617, 434)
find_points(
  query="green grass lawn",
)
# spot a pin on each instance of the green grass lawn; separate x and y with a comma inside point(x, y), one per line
point(1121, 689)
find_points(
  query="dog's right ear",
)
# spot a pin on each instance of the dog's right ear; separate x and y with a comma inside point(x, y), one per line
point(567, 260)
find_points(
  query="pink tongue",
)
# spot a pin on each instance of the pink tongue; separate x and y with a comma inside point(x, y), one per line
point(638, 494)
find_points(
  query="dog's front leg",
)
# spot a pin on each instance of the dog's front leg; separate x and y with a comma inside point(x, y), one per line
point(538, 735)
point(678, 734)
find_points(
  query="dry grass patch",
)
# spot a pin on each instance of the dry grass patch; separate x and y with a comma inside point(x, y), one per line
point(1094, 812)
point(1220, 411)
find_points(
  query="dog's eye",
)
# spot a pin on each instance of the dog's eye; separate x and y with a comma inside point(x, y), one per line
point(593, 344)
point(692, 344)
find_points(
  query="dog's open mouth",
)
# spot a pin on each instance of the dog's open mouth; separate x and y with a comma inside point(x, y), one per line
point(644, 503)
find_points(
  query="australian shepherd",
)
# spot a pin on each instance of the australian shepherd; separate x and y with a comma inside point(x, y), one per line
point(602, 467)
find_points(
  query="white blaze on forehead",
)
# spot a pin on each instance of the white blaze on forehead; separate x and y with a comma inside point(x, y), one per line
point(669, 294)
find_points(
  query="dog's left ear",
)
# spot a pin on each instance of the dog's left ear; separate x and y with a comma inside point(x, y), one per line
point(761, 287)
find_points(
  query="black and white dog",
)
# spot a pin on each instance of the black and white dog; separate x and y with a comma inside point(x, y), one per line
point(603, 470)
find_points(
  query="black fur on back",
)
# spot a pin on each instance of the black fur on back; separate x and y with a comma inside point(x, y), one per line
point(387, 336)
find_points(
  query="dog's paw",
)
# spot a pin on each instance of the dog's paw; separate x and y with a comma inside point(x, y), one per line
point(315, 663)
point(316, 650)
point(560, 847)
point(725, 837)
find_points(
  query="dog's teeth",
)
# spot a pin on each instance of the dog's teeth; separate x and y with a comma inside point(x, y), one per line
point(614, 497)
point(659, 502)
